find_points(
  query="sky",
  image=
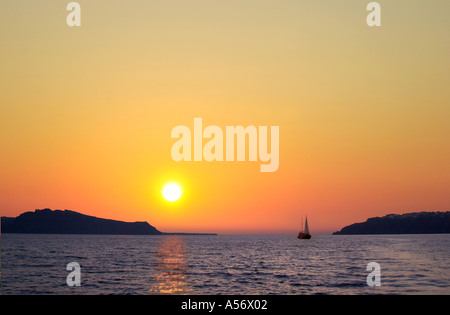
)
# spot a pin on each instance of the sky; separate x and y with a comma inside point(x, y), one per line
point(86, 113)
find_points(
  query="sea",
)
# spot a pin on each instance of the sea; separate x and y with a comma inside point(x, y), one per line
point(225, 264)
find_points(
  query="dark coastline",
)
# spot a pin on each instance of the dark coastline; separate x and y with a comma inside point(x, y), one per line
point(48, 221)
point(409, 223)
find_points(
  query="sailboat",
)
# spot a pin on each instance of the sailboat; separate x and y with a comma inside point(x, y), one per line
point(304, 234)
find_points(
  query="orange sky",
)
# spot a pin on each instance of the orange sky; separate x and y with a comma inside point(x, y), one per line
point(86, 113)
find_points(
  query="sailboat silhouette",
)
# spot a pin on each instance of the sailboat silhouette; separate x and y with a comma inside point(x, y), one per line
point(304, 234)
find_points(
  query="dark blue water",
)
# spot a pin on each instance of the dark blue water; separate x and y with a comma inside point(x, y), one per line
point(248, 264)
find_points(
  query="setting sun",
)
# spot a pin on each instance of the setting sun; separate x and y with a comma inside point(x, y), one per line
point(171, 192)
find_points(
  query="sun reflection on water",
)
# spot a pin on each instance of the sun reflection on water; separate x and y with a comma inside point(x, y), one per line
point(171, 267)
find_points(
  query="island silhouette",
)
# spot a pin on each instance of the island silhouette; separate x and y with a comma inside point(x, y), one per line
point(47, 221)
point(408, 223)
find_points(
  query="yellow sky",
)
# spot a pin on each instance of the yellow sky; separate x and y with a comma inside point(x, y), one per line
point(87, 113)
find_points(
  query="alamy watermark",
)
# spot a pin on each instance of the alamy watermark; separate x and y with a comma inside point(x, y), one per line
point(74, 17)
point(235, 138)
point(374, 277)
point(374, 17)
point(74, 277)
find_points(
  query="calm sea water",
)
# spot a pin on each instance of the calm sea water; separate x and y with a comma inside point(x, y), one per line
point(256, 264)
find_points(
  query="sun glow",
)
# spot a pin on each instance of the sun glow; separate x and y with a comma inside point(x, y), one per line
point(171, 192)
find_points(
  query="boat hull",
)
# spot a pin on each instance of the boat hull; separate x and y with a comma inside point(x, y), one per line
point(303, 236)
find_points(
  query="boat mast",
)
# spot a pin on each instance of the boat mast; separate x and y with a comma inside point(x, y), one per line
point(306, 226)
point(301, 227)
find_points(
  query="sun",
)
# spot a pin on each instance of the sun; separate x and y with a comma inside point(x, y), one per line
point(171, 192)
